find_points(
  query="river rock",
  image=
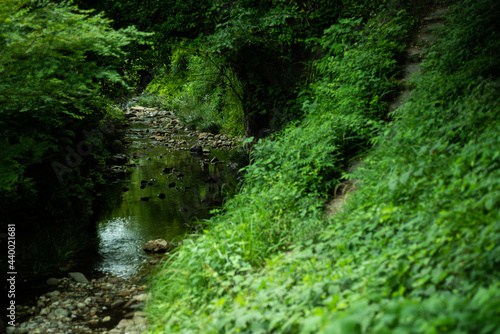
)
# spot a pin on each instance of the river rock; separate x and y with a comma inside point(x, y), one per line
point(53, 281)
point(119, 159)
point(196, 149)
point(61, 312)
point(157, 246)
point(118, 302)
point(141, 298)
point(79, 277)
point(137, 109)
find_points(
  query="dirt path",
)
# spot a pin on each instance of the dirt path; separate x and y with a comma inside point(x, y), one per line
point(416, 51)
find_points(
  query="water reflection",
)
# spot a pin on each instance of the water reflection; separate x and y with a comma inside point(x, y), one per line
point(120, 246)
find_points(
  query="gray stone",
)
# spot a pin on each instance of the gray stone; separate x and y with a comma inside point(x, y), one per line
point(117, 303)
point(415, 54)
point(119, 159)
point(124, 323)
point(137, 108)
point(54, 294)
point(79, 277)
point(141, 298)
point(53, 281)
point(157, 246)
point(437, 14)
point(61, 313)
point(196, 149)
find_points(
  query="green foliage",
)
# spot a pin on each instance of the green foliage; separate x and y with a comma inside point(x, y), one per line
point(46, 82)
point(263, 43)
point(204, 94)
point(58, 251)
point(361, 62)
point(281, 201)
point(416, 248)
point(169, 20)
point(52, 92)
point(247, 61)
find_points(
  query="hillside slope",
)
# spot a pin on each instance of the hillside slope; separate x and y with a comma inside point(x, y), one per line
point(415, 249)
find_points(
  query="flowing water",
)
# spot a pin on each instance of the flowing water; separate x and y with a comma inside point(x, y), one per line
point(153, 202)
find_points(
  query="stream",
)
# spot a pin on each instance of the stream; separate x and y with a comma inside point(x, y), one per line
point(163, 191)
point(163, 185)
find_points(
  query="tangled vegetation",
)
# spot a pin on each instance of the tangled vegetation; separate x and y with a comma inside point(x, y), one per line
point(415, 249)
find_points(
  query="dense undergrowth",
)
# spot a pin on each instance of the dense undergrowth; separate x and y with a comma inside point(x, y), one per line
point(415, 249)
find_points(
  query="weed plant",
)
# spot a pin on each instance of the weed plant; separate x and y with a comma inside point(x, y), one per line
point(416, 248)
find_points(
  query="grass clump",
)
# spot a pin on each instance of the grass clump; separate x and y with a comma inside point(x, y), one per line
point(416, 248)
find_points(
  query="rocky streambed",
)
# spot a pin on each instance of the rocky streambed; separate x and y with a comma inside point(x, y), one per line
point(73, 304)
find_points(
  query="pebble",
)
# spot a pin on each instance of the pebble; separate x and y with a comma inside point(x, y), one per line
point(166, 128)
point(86, 308)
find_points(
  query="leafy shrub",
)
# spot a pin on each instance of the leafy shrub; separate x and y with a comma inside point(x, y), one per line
point(47, 85)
